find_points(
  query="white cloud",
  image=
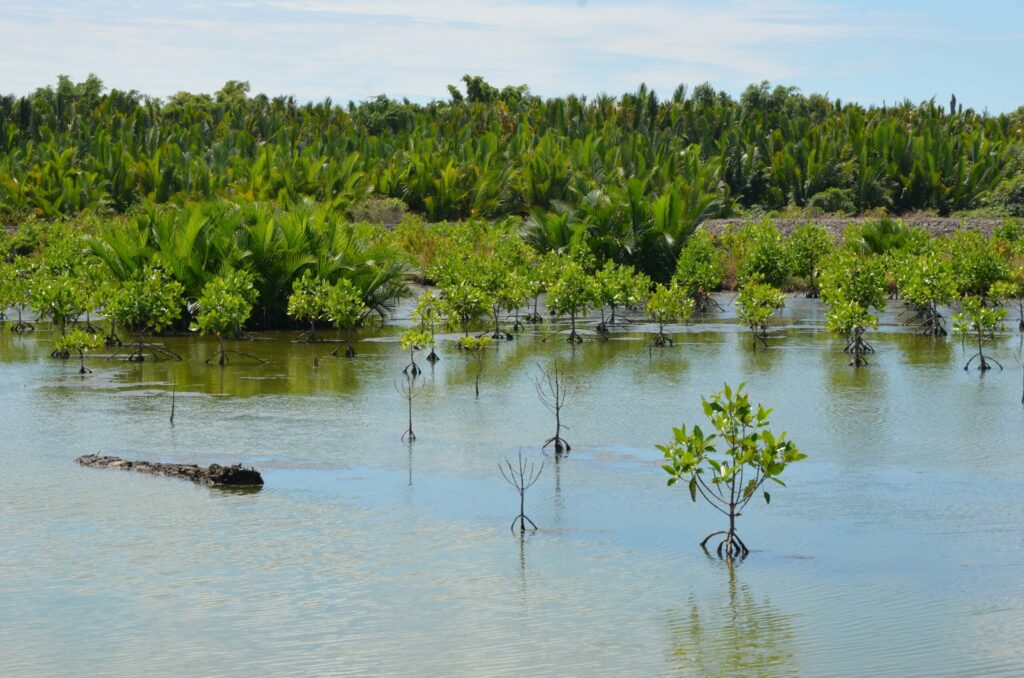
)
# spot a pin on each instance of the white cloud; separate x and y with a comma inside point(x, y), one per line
point(319, 48)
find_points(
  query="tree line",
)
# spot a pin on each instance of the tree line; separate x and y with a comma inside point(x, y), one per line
point(636, 171)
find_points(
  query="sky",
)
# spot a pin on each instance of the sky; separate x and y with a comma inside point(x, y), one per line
point(870, 51)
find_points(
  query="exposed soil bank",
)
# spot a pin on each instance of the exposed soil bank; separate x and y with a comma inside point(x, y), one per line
point(213, 474)
point(942, 226)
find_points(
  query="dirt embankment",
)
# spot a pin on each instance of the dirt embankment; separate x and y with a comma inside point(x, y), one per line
point(941, 226)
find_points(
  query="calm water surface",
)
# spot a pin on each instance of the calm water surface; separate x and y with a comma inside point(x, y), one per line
point(897, 548)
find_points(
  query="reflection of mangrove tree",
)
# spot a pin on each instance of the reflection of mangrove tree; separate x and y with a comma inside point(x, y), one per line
point(734, 634)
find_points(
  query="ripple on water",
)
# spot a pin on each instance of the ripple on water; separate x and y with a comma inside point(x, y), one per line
point(894, 550)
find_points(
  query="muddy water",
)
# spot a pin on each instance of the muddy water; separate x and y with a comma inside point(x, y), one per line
point(895, 550)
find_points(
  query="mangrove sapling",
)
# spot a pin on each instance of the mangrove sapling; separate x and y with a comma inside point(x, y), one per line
point(700, 270)
point(607, 278)
point(77, 342)
point(620, 287)
point(475, 346)
point(522, 477)
point(150, 301)
point(429, 312)
point(538, 278)
point(977, 264)
point(346, 309)
point(756, 303)
point(464, 303)
point(927, 282)
point(554, 392)
point(574, 293)
point(808, 246)
point(513, 298)
point(223, 308)
point(668, 304)
point(15, 291)
point(851, 320)
point(408, 390)
point(979, 323)
point(500, 289)
point(851, 286)
point(762, 253)
point(60, 297)
point(308, 302)
point(728, 467)
point(105, 298)
point(499, 302)
point(1012, 291)
point(413, 340)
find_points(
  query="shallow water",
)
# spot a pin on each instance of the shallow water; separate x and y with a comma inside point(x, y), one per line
point(896, 548)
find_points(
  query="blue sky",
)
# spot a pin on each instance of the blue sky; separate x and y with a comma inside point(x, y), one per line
point(870, 51)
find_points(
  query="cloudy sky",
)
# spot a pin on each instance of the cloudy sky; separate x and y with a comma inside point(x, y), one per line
point(869, 51)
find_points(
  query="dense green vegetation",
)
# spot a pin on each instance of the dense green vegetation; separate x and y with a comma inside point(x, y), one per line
point(254, 267)
point(631, 176)
point(228, 212)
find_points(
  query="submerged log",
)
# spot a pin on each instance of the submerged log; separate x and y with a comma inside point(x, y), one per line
point(214, 474)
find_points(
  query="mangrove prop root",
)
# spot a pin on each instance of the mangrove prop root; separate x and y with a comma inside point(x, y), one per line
point(309, 337)
point(521, 477)
point(560, 444)
point(139, 348)
point(703, 302)
point(730, 547)
point(661, 341)
point(214, 474)
point(222, 357)
point(983, 362)
point(433, 357)
point(21, 327)
point(519, 519)
point(929, 321)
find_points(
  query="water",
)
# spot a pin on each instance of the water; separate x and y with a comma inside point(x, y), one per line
point(896, 548)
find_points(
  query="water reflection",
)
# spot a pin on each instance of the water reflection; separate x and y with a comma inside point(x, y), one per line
point(339, 565)
point(731, 632)
point(227, 490)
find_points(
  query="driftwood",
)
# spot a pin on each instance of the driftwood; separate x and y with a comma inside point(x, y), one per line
point(214, 474)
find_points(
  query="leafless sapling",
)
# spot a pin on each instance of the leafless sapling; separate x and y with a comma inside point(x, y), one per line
point(408, 389)
point(521, 477)
point(554, 392)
